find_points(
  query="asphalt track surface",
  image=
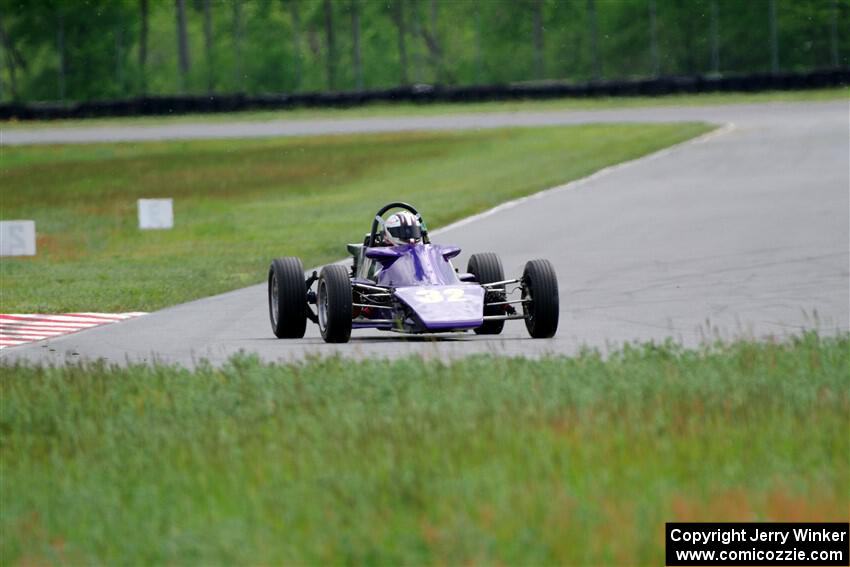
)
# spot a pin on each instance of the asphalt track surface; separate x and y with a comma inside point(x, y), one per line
point(744, 232)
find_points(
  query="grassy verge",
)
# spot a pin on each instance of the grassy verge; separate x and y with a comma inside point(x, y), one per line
point(407, 109)
point(239, 203)
point(484, 460)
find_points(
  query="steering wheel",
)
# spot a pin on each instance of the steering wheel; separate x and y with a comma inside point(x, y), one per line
point(379, 220)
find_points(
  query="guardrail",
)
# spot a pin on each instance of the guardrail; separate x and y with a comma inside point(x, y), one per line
point(185, 104)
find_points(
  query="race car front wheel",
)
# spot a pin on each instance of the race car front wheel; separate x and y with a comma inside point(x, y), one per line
point(333, 301)
point(287, 298)
point(487, 268)
point(541, 305)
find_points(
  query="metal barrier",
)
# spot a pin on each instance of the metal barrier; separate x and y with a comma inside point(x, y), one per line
point(172, 105)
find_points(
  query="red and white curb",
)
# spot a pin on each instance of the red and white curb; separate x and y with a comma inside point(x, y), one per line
point(18, 329)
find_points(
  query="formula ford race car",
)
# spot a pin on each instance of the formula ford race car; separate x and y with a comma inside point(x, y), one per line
point(400, 281)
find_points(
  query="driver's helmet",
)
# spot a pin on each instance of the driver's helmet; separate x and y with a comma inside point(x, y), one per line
point(402, 228)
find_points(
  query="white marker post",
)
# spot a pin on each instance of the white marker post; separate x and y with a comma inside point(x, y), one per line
point(17, 238)
point(156, 214)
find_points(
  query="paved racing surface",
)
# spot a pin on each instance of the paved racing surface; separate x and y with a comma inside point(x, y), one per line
point(744, 232)
point(285, 127)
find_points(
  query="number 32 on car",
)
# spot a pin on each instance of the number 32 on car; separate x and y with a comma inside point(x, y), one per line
point(450, 295)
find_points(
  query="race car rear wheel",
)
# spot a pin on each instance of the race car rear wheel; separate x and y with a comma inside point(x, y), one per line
point(287, 298)
point(487, 268)
point(540, 289)
point(333, 301)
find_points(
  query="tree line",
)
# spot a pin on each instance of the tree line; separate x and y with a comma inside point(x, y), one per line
point(96, 49)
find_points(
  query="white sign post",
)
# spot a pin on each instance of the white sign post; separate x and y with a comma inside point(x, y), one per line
point(17, 238)
point(156, 214)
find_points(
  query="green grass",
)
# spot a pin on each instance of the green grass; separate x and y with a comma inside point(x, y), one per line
point(240, 203)
point(408, 109)
point(484, 460)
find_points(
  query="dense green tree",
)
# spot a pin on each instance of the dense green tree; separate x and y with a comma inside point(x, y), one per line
point(182, 43)
point(93, 49)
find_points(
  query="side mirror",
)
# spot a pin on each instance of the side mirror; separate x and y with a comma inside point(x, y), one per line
point(450, 252)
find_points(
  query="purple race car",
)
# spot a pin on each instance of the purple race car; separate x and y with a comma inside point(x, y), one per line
point(400, 281)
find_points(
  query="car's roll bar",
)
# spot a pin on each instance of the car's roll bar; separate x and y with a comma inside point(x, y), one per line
point(379, 219)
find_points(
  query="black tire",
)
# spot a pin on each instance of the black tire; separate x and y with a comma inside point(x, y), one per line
point(487, 268)
point(287, 298)
point(333, 301)
point(540, 285)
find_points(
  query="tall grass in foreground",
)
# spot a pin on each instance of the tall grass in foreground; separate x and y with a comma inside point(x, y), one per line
point(482, 460)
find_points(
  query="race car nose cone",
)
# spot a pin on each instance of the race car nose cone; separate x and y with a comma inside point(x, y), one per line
point(442, 307)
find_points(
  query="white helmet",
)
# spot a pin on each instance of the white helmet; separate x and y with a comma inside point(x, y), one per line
point(402, 228)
